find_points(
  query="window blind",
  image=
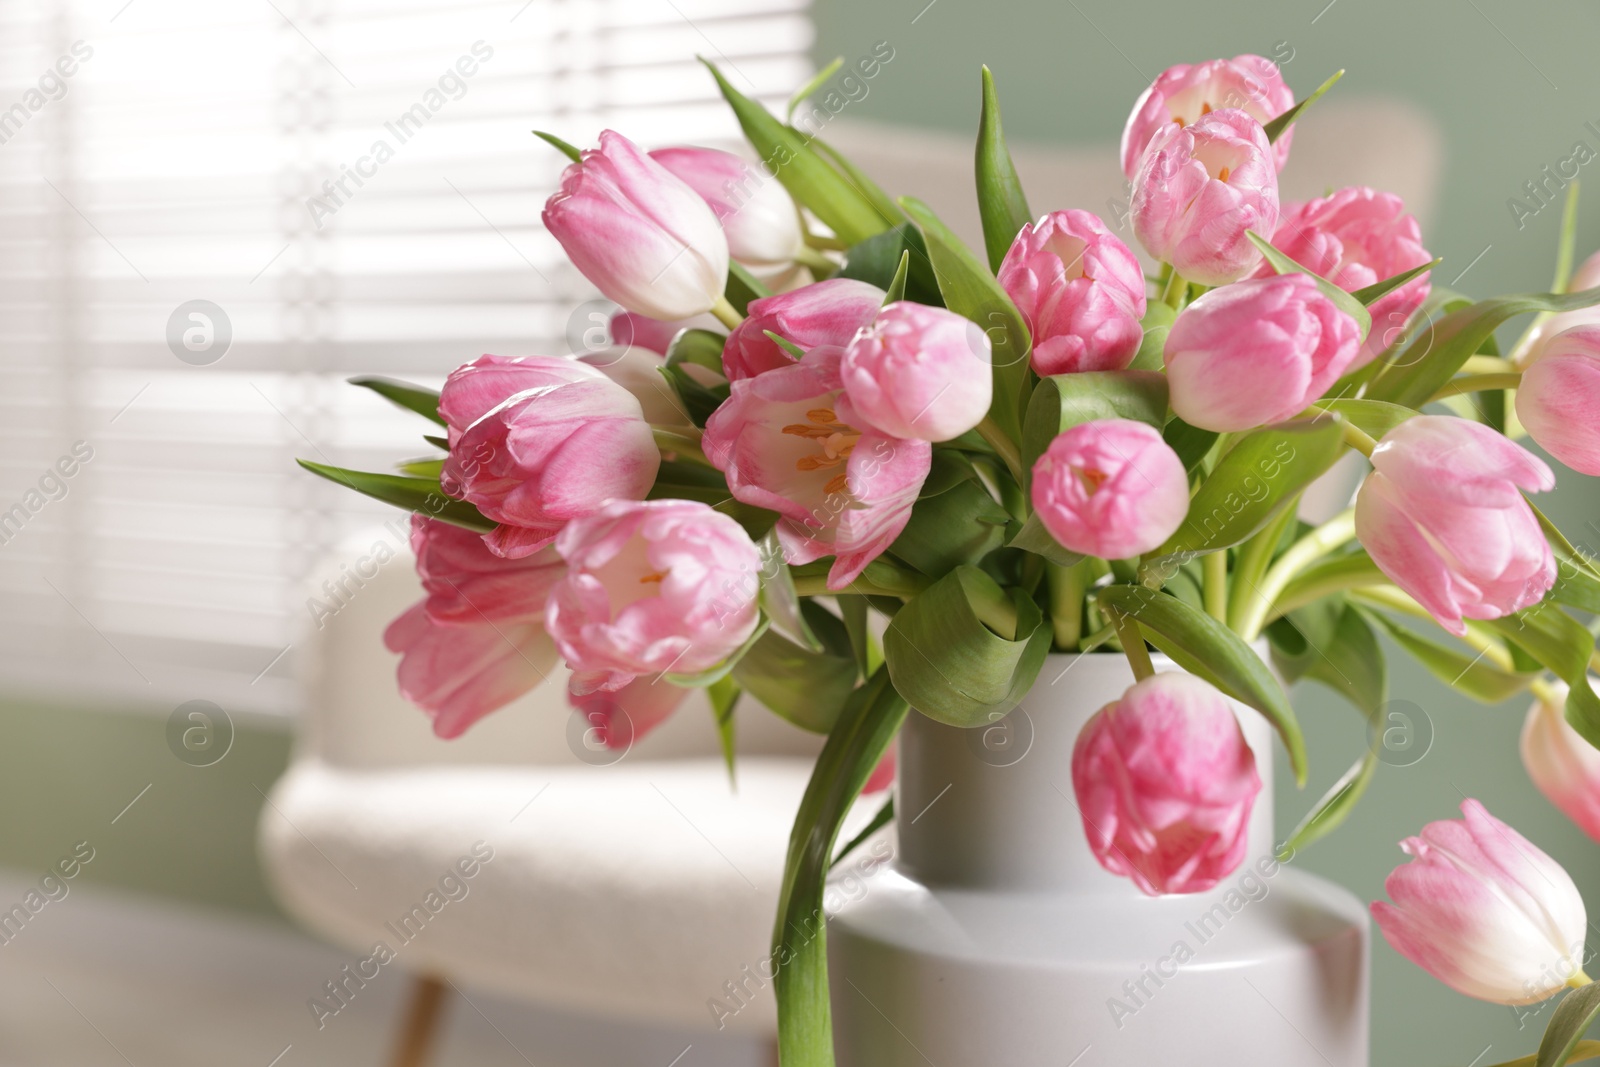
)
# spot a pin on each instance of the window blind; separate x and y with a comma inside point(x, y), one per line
point(212, 215)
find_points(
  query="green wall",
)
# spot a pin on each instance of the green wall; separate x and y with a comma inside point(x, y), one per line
point(67, 772)
point(1511, 87)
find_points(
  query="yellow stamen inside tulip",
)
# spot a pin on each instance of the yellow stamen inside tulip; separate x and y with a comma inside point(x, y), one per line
point(1205, 109)
point(1222, 175)
point(657, 577)
point(1092, 479)
point(837, 441)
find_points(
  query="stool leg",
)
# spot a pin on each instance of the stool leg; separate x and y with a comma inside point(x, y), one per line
point(421, 1022)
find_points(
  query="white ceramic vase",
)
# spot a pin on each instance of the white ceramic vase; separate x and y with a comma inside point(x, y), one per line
point(997, 940)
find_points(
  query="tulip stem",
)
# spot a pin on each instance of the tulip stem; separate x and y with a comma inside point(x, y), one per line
point(1310, 548)
point(1132, 640)
point(1003, 447)
point(1066, 585)
point(682, 442)
point(1487, 365)
point(1477, 383)
point(1172, 295)
point(1214, 568)
point(1579, 979)
point(726, 313)
point(1354, 436)
point(831, 244)
point(810, 257)
point(1395, 599)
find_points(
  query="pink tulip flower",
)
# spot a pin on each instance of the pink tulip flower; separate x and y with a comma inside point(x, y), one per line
point(1184, 94)
point(652, 586)
point(1256, 352)
point(1441, 515)
point(1081, 291)
point(823, 313)
point(476, 642)
point(760, 220)
point(1483, 910)
point(1564, 766)
point(633, 228)
point(1165, 782)
point(1587, 276)
point(619, 719)
point(1110, 488)
point(1199, 188)
point(1356, 238)
point(537, 441)
point(786, 441)
point(918, 372)
point(1558, 400)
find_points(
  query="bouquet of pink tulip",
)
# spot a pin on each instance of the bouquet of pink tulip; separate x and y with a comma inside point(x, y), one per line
point(1032, 448)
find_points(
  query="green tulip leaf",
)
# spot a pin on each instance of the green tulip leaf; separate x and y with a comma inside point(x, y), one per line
point(1001, 203)
point(947, 659)
point(1031, 536)
point(422, 400)
point(1157, 323)
point(1562, 644)
point(724, 697)
point(1207, 649)
point(1411, 376)
point(1334, 807)
point(807, 687)
point(1371, 294)
point(813, 85)
point(421, 496)
point(1191, 443)
point(1342, 300)
point(1275, 128)
point(1262, 473)
point(570, 151)
point(1063, 401)
point(877, 260)
point(814, 184)
point(799, 941)
point(1568, 1023)
point(1372, 417)
point(1471, 674)
point(959, 526)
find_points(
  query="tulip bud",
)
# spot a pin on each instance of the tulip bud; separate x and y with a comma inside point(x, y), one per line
point(1199, 188)
point(477, 641)
point(1442, 516)
point(1256, 352)
point(918, 372)
point(537, 441)
point(1081, 291)
point(644, 238)
point(760, 220)
point(1110, 488)
point(1165, 782)
point(1483, 910)
point(1587, 276)
point(1558, 400)
point(1564, 766)
point(1184, 94)
point(1355, 238)
point(652, 586)
point(822, 314)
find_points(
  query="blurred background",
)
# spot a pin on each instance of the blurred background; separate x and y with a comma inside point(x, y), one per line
point(200, 239)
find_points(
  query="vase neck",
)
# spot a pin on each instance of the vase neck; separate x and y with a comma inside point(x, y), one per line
point(993, 807)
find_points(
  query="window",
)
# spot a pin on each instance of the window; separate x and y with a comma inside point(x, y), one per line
point(345, 186)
